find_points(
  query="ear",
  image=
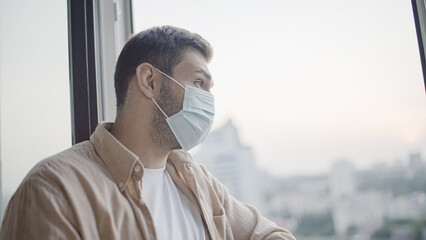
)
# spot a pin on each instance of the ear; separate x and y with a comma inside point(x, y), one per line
point(144, 77)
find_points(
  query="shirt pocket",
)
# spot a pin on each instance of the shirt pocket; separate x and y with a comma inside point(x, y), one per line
point(223, 228)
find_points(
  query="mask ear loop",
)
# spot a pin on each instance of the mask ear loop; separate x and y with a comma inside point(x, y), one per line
point(159, 108)
point(178, 83)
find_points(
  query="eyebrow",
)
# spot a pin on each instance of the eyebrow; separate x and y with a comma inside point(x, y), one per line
point(206, 74)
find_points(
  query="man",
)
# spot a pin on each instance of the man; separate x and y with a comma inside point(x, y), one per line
point(131, 180)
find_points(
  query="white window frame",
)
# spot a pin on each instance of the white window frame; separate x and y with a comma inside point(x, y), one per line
point(113, 27)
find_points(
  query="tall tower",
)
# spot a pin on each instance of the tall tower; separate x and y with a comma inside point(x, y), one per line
point(342, 189)
point(416, 162)
point(342, 180)
point(232, 163)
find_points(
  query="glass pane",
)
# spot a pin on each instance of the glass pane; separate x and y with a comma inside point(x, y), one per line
point(35, 98)
point(320, 109)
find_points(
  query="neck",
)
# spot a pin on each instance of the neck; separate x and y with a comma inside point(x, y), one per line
point(135, 136)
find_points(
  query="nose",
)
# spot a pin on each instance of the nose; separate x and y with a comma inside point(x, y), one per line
point(210, 86)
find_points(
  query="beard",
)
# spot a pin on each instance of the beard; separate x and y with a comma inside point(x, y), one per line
point(160, 131)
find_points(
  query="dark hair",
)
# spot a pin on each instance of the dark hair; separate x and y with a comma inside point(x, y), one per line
point(163, 47)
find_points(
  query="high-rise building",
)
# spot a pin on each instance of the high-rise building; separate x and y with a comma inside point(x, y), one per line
point(232, 163)
point(416, 162)
point(342, 189)
point(342, 180)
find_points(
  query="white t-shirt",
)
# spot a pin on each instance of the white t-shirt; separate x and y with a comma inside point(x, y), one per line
point(175, 216)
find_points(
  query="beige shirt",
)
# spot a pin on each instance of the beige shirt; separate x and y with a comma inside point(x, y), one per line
point(92, 191)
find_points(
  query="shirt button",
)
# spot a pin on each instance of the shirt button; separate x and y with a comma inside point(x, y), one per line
point(120, 184)
point(137, 168)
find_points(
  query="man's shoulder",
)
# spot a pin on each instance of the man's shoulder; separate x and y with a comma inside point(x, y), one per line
point(66, 164)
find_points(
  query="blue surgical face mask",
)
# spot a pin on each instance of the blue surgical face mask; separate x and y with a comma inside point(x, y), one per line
point(191, 124)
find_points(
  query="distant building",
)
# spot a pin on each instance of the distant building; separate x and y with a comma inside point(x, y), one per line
point(232, 163)
point(409, 206)
point(299, 203)
point(416, 161)
point(342, 180)
point(364, 210)
point(415, 165)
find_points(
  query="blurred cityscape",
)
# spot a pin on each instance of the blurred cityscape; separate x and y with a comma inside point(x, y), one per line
point(384, 202)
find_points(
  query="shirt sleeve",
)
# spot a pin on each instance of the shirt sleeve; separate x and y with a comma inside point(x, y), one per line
point(38, 210)
point(245, 220)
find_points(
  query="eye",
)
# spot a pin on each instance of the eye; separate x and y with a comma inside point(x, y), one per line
point(199, 83)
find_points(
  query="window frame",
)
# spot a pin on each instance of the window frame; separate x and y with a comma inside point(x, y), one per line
point(82, 69)
point(94, 47)
point(419, 11)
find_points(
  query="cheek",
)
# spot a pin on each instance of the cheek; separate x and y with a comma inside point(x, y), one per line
point(175, 100)
point(180, 94)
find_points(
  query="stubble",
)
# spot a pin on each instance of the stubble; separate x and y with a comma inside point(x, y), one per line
point(160, 131)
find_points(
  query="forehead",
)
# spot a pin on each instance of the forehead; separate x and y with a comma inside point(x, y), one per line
point(192, 61)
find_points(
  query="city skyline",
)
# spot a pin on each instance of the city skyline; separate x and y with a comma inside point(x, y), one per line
point(343, 203)
point(400, 160)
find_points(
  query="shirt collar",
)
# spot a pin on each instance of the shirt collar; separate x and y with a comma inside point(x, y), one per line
point(118, 159)
point(122, 162)
point(180, 156)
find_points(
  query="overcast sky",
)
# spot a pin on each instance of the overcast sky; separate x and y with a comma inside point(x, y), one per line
point(306, 82)
point(310, 82)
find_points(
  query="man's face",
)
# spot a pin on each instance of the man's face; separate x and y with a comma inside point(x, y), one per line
point(191, 71)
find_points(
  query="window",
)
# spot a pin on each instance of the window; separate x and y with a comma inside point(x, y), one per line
point(308, 90)
point(35, 94)
point(320, 105)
